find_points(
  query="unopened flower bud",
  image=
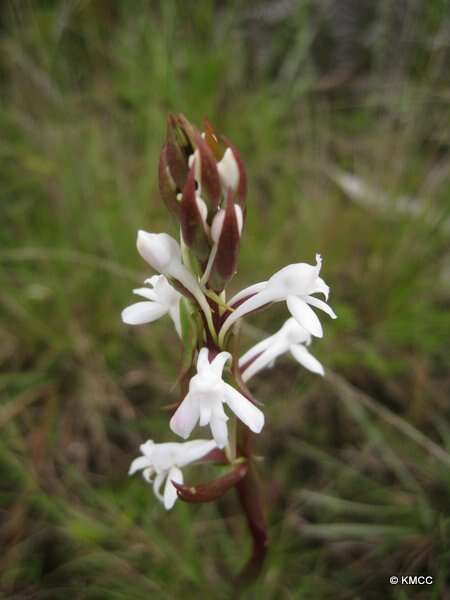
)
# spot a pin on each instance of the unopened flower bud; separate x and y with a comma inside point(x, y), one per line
point(241, 185)
point(229, 170)
point(226, 232)
point(218, 170)
point(178, 137)
point(212, 139)
point(230, 166)
point(207, 492)
point(193, 214)
point(185, 146)
point(206, 169)
point(171, 169)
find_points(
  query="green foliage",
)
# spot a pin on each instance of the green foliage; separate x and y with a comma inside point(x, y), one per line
point(357, 491)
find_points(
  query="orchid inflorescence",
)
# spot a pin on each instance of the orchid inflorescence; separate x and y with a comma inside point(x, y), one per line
point(203, 184)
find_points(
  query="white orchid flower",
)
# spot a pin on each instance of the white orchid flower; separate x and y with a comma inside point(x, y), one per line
point(294, 284)
point(163, 253)
point(204, 401)
point(292, 338)
point(165, 461)
point(161, 299)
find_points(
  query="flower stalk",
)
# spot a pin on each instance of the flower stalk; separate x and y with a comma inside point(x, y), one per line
point(249, 493)
point(203, 184)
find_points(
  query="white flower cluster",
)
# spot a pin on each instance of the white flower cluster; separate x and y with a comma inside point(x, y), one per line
point(209, 394)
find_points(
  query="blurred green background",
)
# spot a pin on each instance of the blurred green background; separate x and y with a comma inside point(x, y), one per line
point(341, 113)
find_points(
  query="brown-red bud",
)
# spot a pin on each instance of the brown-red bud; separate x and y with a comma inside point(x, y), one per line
point(226, 232)
point(207, 492)
point(167, 184)
point(208, 173)
point(219, 145)
point(177, 135)
point(212, 139)
point(192, 221)
point(202, 179)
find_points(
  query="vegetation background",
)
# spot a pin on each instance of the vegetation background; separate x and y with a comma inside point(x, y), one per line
point(341, 112)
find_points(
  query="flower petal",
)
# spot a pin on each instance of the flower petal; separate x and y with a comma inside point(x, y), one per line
point(304, 315)
point(153, 280)
point(255, 350)
point(141, 462)
point(147, 474)
point(248, 291)
point(245, 410)
point(320, 287)
point(297, 279)
point(170, 492)
point(228, 170)
point(160, 250)
point(219, 362)
point(250, 305)
point(295, 333)
point(305, 358)
point(143, 312)
point(194, 450)
point(219, 431)
point(174, 313)
point(185, 418)
point(203, 361)
point(217, 225)
point(157, 483)
point(180, 272)
point(146, 292)
point(147, 448)
point(265, 359)
point(321, 305)
point(205, 415)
